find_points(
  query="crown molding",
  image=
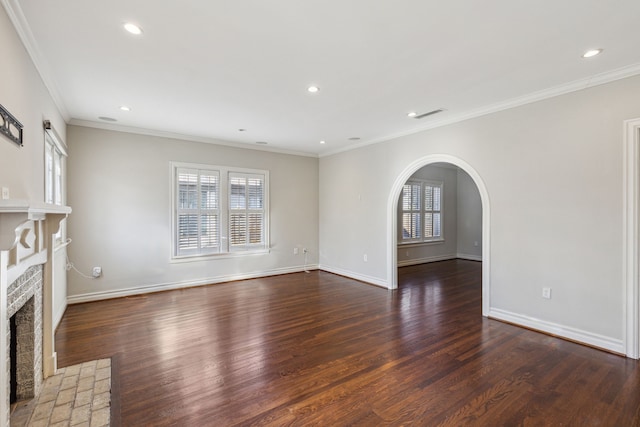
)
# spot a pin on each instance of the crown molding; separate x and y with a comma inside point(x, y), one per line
point(183, 137)
point(14, 11)
point(574, 86)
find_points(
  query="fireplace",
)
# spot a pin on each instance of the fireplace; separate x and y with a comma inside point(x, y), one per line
point(26, 298)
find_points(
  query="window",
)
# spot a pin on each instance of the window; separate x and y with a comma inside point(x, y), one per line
point(54, 154)
point(421, 212)
point(219, 210)
point(198, 212)
point(246, 211)
point(54, 173)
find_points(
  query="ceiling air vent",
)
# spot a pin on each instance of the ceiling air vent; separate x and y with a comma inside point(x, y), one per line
point(430, 113)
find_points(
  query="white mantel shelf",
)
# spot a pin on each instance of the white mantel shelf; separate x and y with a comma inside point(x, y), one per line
point(31, 208)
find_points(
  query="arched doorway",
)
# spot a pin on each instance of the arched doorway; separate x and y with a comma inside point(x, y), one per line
point(392, 256)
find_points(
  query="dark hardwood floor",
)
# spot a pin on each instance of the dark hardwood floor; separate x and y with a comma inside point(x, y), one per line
point(320, 349)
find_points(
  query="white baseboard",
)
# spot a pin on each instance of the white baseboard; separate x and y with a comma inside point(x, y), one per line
point(469, 257)
point(145, 289)
point(573, 334)
point(356, 276)
point(416, 261)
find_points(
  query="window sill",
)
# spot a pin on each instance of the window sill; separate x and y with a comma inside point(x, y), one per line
point(211, 257)
point(416, 244)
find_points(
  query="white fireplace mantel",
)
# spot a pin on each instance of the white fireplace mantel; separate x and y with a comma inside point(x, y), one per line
point(13, 213)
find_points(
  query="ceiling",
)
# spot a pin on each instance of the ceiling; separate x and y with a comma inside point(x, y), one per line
point(204, 69)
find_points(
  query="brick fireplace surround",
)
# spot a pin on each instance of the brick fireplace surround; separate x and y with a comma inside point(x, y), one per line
point(24, 299)
point(26, 291)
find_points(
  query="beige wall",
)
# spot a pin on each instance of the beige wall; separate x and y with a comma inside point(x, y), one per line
point(553, 173)
point(23, 93)
point(120, 190)
point(469, 218)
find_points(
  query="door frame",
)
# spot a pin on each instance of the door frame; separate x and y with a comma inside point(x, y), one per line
point(631, 241)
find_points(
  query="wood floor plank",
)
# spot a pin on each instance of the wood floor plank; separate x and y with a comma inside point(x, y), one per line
point(320, 349)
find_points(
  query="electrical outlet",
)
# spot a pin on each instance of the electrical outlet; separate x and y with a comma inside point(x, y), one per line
point(5, 193)
point(546, 293)
point(475, 243)
point(97, 272)
point(365, 257)
point(295, 251)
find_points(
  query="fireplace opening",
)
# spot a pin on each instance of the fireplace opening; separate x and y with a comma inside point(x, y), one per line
point(13, 353)
point(21, 353)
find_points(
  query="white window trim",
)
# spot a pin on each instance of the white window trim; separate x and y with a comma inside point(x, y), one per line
point(225, 252)
point(54, 145)
point(422, 241)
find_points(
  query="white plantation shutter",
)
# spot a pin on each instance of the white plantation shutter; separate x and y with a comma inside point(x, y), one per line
point(210, 211)
point(411, 211)
point(432, 214)
point(198, 213)
point(421, 212)
point(246, 211)
point(218, 210)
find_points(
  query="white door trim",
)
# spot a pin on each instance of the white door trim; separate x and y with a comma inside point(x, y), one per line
point(392, 205)
point(631, 250)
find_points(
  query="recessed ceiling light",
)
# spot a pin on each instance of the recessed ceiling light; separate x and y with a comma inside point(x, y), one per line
point(591, 53)
point(322, 142)
point(125, 108)
point(313, 89)
point(107, 119)
point(133, 28)
point(412, 114)
point(261, 142)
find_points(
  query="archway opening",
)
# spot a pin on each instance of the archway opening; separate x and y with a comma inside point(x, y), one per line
point(393, 218)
